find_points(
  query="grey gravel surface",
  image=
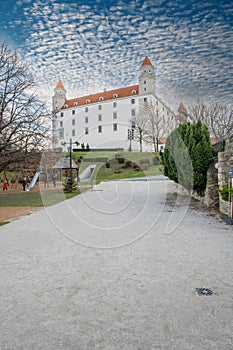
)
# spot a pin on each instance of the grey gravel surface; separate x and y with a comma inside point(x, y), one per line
point(117, 268)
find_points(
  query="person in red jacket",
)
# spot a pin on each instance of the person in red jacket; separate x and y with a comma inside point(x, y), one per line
point(5, 185)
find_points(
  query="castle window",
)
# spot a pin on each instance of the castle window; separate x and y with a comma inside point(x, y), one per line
point(88, 101)
point(163, 109)
point(73, 111)
point(100, 128)
point(114, 115)
point(99, 117)
point(114, 104)
point(133, 112)
point(157, 103)
point(144, 89)
point(133, 92)
point(75, 103)
point(145, 100)
point(73, 132)
point(114, 127)
point(133, 125)
point(62, 114)
point(101, 98)
point(86, 119)
point(61, 124)
point(73, 121)
point(86, 131)
point(132, 101)
point(144, 82)
point(99, 107)
point(61, 133)
point(86, 109)
point(115, 96)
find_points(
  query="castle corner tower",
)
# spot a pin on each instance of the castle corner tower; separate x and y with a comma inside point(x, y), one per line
point(147, 77)
point(59, 97)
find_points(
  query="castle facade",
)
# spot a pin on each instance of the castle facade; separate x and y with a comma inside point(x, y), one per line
point(104, 120)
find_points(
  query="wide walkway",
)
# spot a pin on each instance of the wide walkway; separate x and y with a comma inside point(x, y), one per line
point(117, 268)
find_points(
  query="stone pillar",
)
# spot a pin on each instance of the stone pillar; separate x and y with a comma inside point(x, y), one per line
point(211, 198)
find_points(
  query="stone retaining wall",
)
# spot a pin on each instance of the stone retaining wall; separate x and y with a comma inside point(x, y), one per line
point(211, 198)
point(225, 161)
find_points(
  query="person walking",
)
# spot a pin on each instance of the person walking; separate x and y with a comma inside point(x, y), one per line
point(54, 179)
point(24, 183)
point(5, 185)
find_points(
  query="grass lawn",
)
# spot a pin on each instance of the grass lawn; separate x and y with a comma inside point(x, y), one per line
point(35, 199)
point(109, 174)
point(134, 156)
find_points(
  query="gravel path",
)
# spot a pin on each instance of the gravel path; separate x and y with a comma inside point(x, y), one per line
point(117, 268)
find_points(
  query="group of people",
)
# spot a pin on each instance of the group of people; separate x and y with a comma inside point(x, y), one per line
point(24, 183)
point(83, 146)
point(6, 184)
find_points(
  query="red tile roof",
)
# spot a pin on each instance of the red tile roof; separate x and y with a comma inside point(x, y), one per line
point(146, 62)
point(181, 107)
point(213, 140)
point(106, 95)
point(60, 85)
point(162, 141)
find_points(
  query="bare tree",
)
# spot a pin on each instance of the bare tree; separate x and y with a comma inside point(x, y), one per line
point(24, 119)
point(139, 126)
point(158, 125)
point(217, 117)
point(219, 120)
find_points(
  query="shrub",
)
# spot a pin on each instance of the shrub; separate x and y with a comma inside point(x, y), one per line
point(134, 165)
point(128, 164)
point(144, 161)
point(121, 160)
point(70, 185)
point(144, 166)
point(155, 160)
point(225, 193)
point(187, 155)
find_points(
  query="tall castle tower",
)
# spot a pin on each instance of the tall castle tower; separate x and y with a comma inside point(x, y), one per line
point(59, 97)
point(146, 77)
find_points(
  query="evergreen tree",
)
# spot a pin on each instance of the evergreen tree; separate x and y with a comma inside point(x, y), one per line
point(187, 156)
point(70, 185)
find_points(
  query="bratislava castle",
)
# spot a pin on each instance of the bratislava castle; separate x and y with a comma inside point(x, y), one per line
point(103, 120)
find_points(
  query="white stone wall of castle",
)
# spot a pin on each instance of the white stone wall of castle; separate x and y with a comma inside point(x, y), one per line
point(76, 121)
point(146, 80)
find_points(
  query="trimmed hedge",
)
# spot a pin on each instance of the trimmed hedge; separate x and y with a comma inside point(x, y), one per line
point(187, 155)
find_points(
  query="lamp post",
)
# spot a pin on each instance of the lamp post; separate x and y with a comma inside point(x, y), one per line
point(130, 137)
point(70, 155)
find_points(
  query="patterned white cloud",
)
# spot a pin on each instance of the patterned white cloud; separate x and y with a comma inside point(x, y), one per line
point(97, 45)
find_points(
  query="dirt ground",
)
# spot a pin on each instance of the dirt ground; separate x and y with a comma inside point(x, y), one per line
point(8, 214)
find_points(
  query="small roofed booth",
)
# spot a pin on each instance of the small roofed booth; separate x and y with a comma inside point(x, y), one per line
point(64, 164)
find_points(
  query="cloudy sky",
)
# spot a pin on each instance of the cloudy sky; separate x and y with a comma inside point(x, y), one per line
point(92, 45)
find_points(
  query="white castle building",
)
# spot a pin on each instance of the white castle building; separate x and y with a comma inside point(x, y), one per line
point(103, 120)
